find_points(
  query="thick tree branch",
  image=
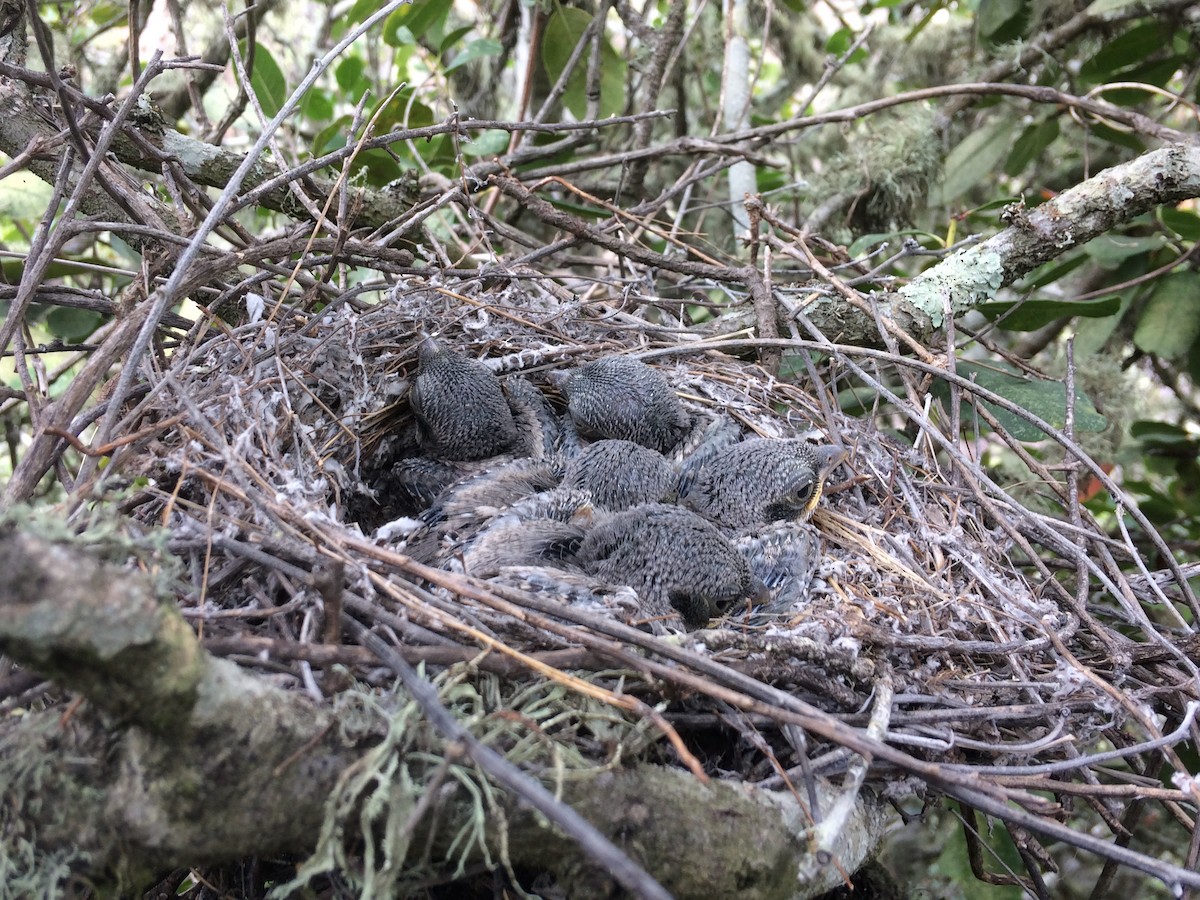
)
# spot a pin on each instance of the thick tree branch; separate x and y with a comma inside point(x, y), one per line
point(175, 755)
point(1035, 236)
point(177, 758)
point(1038, 235)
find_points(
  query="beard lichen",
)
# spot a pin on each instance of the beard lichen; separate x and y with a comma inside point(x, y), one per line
point(384, 830)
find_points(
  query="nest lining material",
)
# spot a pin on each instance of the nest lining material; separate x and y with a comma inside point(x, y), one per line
point(290, 430)
point(318, 422)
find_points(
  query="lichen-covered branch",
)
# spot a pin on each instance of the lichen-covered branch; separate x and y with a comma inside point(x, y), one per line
point(175, 758)
point(1036, 236)
point(173, 754)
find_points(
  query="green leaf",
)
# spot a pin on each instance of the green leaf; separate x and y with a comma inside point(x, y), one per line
point(564, 29)
point(1002, 20)
point(486, 143)
point(1183, 223)
point(453, 38)
point(402, 111)
point(72, 325)
point(1092, 334)
point(331, 137)
point(1033, 314)
point(378, 165)
point(351, 78)
point(1053, 271)
point(841, 41)
point(480, 48)
point(1161, 434)
point(1170, 323)
point(317, 106)
point(1110, 250)
point(976, 158)
point(358, 13)
point(954, 864)
point(105, 14)
point(1030, 145)
point(1132, 47)
point(1045, 399)
point(23, 196)
point(418, 17)
point(268, 82)
point(1120, 138)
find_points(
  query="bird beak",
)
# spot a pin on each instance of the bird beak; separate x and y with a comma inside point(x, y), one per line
point(828, 458)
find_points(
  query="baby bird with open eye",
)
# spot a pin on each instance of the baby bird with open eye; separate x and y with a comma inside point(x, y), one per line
point(760, 480)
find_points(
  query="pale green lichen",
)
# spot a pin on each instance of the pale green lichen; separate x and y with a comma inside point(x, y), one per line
point(372, 837)
point(26, 869)
point(960, 283)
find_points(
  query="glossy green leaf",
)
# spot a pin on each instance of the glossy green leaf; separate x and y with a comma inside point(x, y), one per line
point(1002, 20)
point(1033, 314)
point(977, 157)
point(351, 78)
point(72, 325)
point(317, 106)
point(1092, 334)
point(1164, 434)
point(402, 111)
point(1053, 271)
point(1133, 46)
point(1035, 139)
point(564, 29)
point(1183, 223)
point(841, 41)
point(1170, 323)
point(480, 48)
point(331, 137)
point(1119, 138)
point(417, 17)
point(486, 143)
point(454, 37)
point(1045, 399)
point(23, 196)
point(1111, 249)
point(1156, 72)
point(104, 14)
point(953, 864)
point(268, 81)
point(379, 167)
point(359, 12)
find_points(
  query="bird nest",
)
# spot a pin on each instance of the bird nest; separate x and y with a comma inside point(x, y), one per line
point(947, 637)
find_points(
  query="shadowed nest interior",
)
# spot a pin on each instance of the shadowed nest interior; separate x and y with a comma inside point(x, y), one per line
point(999, 649)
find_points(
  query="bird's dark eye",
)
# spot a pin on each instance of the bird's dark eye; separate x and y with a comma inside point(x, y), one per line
point(802, 494)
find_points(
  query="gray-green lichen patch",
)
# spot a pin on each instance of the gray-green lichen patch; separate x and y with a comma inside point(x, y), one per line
point(963, 281)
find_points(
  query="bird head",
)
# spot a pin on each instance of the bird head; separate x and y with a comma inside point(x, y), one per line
point(699, 607)
point(802, 492)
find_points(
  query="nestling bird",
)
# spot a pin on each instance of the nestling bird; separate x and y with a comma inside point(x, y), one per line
point(465, 507)
point(620, 474)
point(761, 480)
point(621, 397)
point(461, 410)
point(785, 557)
point(536, 422)
point(674, 559)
